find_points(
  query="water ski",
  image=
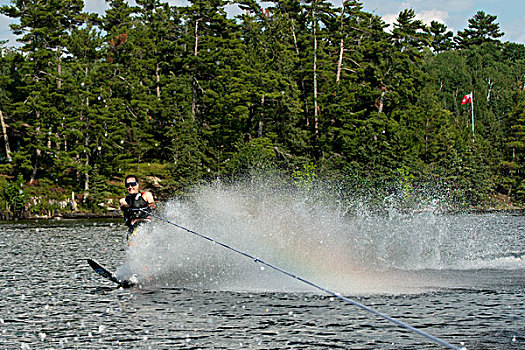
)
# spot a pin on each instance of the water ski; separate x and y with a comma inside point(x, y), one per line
point(102, 271)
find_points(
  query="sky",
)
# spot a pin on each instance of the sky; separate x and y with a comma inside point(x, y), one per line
point(454, 13)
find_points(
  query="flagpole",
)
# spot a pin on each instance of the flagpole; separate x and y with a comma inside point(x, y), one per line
point(472, 110)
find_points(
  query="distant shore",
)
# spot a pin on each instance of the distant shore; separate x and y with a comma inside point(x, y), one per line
point(116, 214)
point(67, 215)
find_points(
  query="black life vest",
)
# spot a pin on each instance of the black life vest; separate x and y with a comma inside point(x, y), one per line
point(136, 201)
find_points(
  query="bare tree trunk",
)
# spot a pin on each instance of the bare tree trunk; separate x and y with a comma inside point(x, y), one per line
point(296, 45)
point(340, 61)
point(87, 97)
point(381, 102)
point(196, 51)
point(86, 177)
point(32, 179)
point(6, 140)
point(316, 107)
point(295, 38)
point(194, 82)
point(490, 87)
point(427, 127)
point(38, 152)
point(59, 66)
point(341, 48)
point(260, 129)
point(261, 122)
point(384, 89)
point(157, 79)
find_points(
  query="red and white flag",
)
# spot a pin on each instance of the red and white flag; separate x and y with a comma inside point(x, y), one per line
point(467, 99)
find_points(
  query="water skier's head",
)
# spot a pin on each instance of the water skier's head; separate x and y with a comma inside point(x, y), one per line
point(132, 184)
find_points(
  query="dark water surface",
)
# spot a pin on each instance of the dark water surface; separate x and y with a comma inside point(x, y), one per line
point(50, 299)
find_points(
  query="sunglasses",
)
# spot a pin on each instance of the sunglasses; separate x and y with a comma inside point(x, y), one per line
point(131, 184)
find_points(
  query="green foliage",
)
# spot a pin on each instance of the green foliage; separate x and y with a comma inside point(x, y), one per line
point(258, 155)
point(512, 168)
point(482, 28)
point(187, 94)
point(13, 197)
point(305, 178)
point(98, 193)
point(405, 181)
point(442, 40)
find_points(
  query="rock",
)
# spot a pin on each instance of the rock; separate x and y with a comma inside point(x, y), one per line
point(154, 181)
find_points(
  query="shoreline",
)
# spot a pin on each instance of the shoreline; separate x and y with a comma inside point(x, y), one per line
point(68, 216)
point(118, 215)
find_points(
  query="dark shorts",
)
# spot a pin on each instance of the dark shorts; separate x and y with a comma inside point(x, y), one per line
point(133, 228)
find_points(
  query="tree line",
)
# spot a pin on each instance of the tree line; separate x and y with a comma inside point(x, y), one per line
point(87, 97)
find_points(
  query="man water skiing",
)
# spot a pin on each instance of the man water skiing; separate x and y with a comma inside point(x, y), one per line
point(131, 204)
point(136, 207)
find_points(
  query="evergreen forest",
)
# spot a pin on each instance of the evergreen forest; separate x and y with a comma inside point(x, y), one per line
point(188, 94)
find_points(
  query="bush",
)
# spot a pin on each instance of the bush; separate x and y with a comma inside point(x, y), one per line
point(13, 198)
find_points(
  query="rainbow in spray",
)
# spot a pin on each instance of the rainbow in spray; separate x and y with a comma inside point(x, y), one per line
point(312, 234)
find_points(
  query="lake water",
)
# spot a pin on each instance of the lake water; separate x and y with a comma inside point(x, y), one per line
point(458, 277)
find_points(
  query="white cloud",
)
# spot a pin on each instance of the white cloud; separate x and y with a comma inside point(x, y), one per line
point(425, 10)
point(390, 18)
point(432, 15)
point(425, 16)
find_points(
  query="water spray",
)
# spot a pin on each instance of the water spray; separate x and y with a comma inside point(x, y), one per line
point(312, 284)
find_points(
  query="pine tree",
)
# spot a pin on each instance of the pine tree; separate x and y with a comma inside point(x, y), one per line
point(95, 134)
point(410, 34)
point(316, 78)
point(98, 192)
point(217, 60)
point(360, 44)
point(44, 28)
point(9, 61)
point(155, 44)
point(271, 94)
point(442, 40)
point(275, 43)
point(512, 168)
point(126, 90)
point(482, 28)
point(399, 77)
point(15, 196)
